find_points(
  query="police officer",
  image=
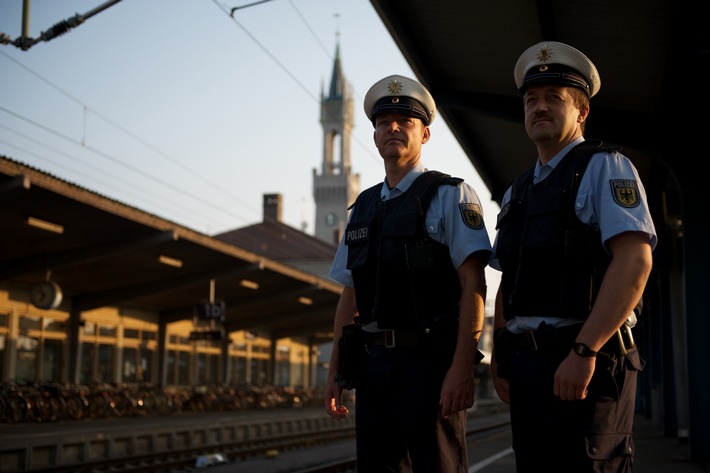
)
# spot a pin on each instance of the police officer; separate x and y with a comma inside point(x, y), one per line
point(412, 265)
point(574, 245)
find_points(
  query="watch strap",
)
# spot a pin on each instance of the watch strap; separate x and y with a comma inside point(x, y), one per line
point(583, 350)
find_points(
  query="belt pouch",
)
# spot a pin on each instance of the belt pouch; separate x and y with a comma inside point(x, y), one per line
point(501, 351)
point(351, 356)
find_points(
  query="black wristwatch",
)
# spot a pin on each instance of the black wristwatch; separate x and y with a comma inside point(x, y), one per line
point(582, 349)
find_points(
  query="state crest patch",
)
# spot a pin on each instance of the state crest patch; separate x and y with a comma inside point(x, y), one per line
point(471, 214)
point(625, 192)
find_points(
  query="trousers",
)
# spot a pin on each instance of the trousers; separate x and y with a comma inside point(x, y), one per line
point(593, 435)
point(399, 427)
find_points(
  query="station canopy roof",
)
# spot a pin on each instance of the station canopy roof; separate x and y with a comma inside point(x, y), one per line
point(109, 254)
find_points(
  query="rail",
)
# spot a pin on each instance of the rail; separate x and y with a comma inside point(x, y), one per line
point(306, 434)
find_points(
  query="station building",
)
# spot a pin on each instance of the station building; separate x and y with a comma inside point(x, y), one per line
point(96, 291)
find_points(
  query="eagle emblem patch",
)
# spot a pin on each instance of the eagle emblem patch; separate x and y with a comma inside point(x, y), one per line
point(471, 215)
point(625, 192)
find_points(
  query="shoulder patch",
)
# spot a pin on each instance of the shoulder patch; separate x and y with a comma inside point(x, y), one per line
point(625, 192)
point(471, 215)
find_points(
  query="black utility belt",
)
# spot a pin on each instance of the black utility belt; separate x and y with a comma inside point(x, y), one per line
point(393, 338)
point(562, 338)
point(403, 338)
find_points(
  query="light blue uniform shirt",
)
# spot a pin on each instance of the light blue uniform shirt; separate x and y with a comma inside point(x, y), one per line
point(596, 206)
point(445, 222)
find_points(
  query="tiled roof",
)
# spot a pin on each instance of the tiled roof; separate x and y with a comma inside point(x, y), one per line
point(281, 242)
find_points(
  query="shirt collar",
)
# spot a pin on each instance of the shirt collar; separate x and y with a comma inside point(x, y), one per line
point(541, 172)
point(415, 172)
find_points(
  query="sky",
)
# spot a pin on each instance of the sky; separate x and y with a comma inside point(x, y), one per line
point(192, 111)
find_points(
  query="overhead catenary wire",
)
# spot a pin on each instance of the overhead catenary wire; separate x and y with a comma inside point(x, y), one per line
point(89, 111)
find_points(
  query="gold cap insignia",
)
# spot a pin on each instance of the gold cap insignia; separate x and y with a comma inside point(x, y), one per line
point(395, 87)
point(545, 53)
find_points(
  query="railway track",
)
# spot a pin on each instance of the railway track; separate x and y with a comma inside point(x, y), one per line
point(348, 465)
point(184, 460)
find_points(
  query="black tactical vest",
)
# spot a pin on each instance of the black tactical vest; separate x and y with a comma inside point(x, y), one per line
point(403, 279)
point(552, 263)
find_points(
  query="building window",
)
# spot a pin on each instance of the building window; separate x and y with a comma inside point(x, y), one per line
point(258, 372)
point(148, 335)
point(137, 365)
point(177, 367)
point(3, 342)
point(30, 323)
point(86, 373)
point(26, 367)
point(52, 359)
point(52, 325)
point(207, 368)
point(97, 363)
point(107, 331)
point(131, 333)
point(239, 370)
point(139, 347)
point(130, 371)
point(107, 358)
point(283, 365)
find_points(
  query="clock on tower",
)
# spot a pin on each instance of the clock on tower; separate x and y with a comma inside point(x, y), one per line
point(331, 219)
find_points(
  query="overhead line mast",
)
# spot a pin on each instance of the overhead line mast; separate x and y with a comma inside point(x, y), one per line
point(25, 42)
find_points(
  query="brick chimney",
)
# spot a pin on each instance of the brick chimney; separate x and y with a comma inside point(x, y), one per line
point(273, 208)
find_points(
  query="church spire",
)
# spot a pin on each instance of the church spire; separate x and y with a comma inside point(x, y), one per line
point(335, 187)
point(337, 82)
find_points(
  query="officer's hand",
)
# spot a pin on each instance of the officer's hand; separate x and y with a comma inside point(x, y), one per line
point(573, 376)
point(501, 384)
point(457, 391)
point(332, 398)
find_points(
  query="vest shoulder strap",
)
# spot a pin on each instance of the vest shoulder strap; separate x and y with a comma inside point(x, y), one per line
point(582, 154)
point(424, 187)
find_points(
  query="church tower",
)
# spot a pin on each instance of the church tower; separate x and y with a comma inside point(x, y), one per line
point(335, 188)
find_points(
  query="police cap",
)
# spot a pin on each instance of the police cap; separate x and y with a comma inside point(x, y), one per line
point(399, 94)
point(557, 63)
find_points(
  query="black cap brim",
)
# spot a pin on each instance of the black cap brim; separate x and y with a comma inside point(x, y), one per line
point(403, 105)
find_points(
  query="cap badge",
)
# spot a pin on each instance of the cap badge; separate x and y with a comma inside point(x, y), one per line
point(395, 87)
point(545, 53)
